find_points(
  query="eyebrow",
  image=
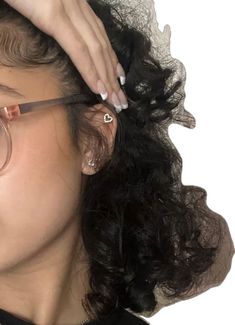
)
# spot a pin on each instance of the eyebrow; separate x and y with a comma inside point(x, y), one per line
point(4, 89)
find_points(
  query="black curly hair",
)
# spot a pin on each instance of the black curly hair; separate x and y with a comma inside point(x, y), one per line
point(140, 226)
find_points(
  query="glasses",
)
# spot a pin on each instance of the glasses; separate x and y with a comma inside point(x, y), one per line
point(8, 113)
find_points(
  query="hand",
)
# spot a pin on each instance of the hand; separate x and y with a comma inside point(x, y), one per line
point(75, 26)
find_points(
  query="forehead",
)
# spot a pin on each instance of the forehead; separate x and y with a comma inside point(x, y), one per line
point(27, 84)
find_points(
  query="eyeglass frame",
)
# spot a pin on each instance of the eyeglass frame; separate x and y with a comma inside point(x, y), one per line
point(32, 106)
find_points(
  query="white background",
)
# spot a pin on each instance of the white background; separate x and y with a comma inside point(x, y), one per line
point(203, 39)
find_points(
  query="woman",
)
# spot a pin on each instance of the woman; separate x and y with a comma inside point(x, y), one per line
point(102, 219)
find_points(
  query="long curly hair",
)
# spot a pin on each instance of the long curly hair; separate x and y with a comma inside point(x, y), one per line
point(141, 227)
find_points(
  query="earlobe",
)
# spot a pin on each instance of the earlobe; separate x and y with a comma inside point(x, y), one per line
point(87, 169)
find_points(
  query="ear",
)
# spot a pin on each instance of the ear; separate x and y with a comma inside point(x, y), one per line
point(96, 116)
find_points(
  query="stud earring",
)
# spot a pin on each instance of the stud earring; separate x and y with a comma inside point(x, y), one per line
point(108, 118)
point(91, 163)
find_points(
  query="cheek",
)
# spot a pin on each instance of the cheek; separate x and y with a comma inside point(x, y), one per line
point(40, 189)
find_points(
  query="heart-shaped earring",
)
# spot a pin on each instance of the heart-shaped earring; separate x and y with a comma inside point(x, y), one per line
point(107, 118)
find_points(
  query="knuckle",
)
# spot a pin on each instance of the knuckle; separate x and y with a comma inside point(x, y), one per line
point(100, 23)
point(91, 71)
point(105, 46)
point(115, 86)
point(97, 47)
point(114, 60)
point(114, 56)
point(106, 81)
point(82, 47)
point(92, 76)
point(107, 85)
point(100, 47)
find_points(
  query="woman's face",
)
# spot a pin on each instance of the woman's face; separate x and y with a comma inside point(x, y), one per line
point(39, 190)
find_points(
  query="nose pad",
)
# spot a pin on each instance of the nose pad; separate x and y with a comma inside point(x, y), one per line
point(11, 112)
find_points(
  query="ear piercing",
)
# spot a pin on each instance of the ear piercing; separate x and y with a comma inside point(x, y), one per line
point(91, 163)
point(108, 118)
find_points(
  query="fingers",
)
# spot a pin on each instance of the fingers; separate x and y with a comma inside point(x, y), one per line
point(87, 26)
point(90, 38)
point(109, 56)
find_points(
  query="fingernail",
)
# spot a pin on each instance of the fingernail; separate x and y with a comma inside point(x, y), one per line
point(102, 90)
point(123, 99)
point(118, 110)
point(116, 102)
point(121, 74)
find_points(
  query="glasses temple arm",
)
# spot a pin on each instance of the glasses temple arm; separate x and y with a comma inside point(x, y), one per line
point(26, 107)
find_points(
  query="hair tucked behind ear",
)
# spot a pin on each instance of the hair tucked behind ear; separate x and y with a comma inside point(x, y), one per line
point(141, 227)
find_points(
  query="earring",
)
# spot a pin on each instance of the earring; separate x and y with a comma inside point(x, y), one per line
point(91, 163)
point(107, 118)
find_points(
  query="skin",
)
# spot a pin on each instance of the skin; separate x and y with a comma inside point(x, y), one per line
point(75, 26)
point(40, 190)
